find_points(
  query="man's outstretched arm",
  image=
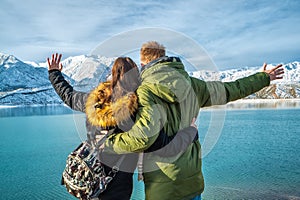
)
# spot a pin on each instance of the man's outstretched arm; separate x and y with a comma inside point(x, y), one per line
point(219, 93)
point(245, 86)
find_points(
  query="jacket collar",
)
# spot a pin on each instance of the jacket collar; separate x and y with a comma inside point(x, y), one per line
point(160, 60)
point(102, 112)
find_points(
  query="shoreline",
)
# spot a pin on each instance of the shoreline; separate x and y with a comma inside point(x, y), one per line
point(265, 100)
point(259, 104)
point(238, 104)
point(33, 105)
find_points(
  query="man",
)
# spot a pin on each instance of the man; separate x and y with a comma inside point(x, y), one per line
point(168, 99)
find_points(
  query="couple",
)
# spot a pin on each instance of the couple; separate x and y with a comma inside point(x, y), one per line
point(160, 102)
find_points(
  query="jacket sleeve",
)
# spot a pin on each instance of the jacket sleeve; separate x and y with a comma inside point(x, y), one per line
point(219, 93)
point(74, 99)
point(166, 146)
point(145, 130)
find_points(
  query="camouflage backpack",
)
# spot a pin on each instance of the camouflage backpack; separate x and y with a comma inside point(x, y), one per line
point(84, 175)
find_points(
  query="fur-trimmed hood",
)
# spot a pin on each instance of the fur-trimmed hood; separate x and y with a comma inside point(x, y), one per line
point(102, 112)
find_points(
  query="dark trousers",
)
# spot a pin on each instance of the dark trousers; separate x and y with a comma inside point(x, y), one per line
point(120, 188)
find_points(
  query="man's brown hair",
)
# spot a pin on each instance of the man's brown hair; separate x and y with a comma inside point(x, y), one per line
point(151, 50)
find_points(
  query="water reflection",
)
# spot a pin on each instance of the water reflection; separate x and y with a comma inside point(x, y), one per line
point(35, 110)
point(262, 103)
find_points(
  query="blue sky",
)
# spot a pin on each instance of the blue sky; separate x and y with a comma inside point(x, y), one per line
point(234, 33)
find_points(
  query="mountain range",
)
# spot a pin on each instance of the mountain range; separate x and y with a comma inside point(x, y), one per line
point(26, 83)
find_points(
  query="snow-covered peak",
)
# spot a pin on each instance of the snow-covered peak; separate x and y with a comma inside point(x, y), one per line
point(34, 64)
point(86, 67)
point(8, 60)
point(15, 74)
point(82, 67)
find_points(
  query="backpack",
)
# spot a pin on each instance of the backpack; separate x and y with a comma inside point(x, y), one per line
point(84, 176)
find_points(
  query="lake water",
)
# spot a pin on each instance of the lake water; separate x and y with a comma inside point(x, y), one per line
point(255, 157)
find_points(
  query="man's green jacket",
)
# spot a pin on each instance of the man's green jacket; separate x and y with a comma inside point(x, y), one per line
point(168, 99)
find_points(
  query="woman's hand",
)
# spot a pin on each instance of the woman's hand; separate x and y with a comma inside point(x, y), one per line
point(54, 63)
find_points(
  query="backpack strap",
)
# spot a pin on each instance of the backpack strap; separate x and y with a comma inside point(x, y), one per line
point(100, 145)
point(140, 167)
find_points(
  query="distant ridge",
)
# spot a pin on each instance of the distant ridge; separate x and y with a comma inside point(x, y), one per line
point(26, 83)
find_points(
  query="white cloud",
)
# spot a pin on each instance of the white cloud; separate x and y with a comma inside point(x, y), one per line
point(234, 33)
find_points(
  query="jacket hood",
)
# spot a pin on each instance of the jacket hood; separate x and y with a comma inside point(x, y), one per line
point(102, 112)
point(166, 78)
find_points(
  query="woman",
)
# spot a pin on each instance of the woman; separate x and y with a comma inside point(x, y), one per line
point(111, 107)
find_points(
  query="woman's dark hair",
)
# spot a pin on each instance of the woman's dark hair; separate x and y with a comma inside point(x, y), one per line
point(125, 77)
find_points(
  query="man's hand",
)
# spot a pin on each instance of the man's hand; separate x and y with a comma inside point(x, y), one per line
point(55, 62)
point(193, 123)
point(274, 73)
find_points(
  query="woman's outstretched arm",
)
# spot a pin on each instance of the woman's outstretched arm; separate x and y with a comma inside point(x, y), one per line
point(74, 99)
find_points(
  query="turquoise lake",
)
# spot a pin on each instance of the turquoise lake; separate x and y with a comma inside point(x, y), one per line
point(255, 157)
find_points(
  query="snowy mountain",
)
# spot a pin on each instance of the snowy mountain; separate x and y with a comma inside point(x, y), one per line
point(288, 87)
point(21, 83)
point(87, 71)
point(26, 83)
